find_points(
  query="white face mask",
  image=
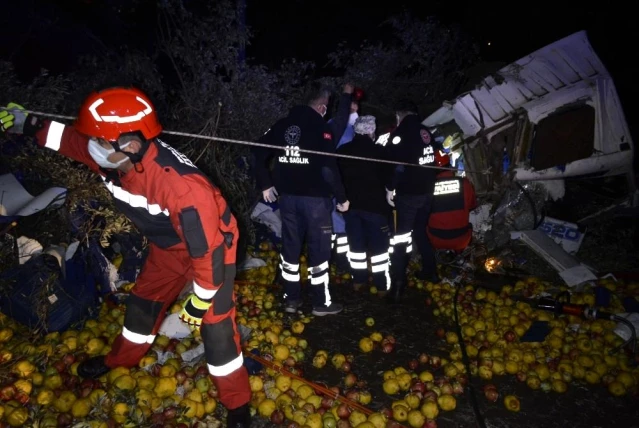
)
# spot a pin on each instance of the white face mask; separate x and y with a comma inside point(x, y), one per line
point(101, 155)
point(352, 118)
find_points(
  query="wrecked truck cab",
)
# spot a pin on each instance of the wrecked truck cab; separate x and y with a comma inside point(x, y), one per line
point(551, 115)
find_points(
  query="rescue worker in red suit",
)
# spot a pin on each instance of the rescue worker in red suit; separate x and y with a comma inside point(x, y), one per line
point(191, 231)
point(453, 199)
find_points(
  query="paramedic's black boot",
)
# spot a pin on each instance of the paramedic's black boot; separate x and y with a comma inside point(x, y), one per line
point(239, 418)
point(430, 277)
point(93, 368)
point(397, 291)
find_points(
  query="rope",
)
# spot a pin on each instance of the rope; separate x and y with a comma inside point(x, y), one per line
point(269, 146)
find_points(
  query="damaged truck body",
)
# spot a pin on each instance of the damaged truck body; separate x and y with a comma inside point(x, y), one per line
point(551, 115)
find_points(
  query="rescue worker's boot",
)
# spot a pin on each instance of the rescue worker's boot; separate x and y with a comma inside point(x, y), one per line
point(398, 275)
point(93, 368)
point(430, 277)
point(396, 292)
point(239, 418)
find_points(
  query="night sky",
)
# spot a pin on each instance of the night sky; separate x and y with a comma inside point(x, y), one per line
point(52, 34)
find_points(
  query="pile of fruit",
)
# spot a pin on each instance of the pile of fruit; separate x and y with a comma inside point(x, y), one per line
point(39, 385)
point(575, 350)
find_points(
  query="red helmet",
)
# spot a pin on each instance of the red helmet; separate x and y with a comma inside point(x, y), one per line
point(441, 158)
point(109, 113)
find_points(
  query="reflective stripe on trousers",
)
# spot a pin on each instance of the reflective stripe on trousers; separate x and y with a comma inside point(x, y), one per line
point(339, 243)
point(320, 277)
point(380, 265)
point(404, 238)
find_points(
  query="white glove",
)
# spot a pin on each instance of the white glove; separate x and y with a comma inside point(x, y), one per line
point(390, 195)
point(343, 207)
point(270, 194)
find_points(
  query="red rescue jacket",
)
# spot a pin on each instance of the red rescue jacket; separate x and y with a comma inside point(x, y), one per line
point(171, 202)
point(453, 199)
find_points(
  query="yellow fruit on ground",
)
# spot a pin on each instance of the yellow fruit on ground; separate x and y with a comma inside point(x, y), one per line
point(256, 383)
point(446, 402)
point(125, 383)
point(365, 397)
point(404, 380)
point(400, 412)
point(146, 382)
point(71, 342)
point(559, 386)
point(45, 397)
point(193, 408)
point(626, 379)
point(81, 408)
point(120, 412)
point(319, 361)
point(283, 383)
point(210, 404)
point(281, 352)
point(94, 346)
point(304, 391)
point(297, 327)
point(144, 397)
point(617, 388)
point(430, 409)
point(512, 403)
point(52, 382)
point(416, 419)
point(96, 395)
point(147, 360)
point(426, 376)
point(167, 371)
point(391, 386)
point(366, 344)
point(165, 387)
point(376, 336)
point(266, 407)
point(283, 400)
point(116, 373)
point(17, 417)
point(5, 335)
point(24, 385)
point(23, 368)
point(64, 402)
point(356, 418)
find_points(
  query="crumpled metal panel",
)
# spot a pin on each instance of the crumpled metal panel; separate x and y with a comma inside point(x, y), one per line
point(550, 69)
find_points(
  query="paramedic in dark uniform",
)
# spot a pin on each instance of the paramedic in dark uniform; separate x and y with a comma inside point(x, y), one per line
point(367, 217)
point(305, 184)
point(339, 238)
point(410, 191)
point(453, 200)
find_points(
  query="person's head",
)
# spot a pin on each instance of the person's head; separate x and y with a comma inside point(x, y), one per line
point(404, 108)
point(318, 97)
point(354, 107)
point(365, 125)
point(120, 122)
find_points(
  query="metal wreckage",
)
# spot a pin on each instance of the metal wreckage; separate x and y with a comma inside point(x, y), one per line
point(552, 115)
